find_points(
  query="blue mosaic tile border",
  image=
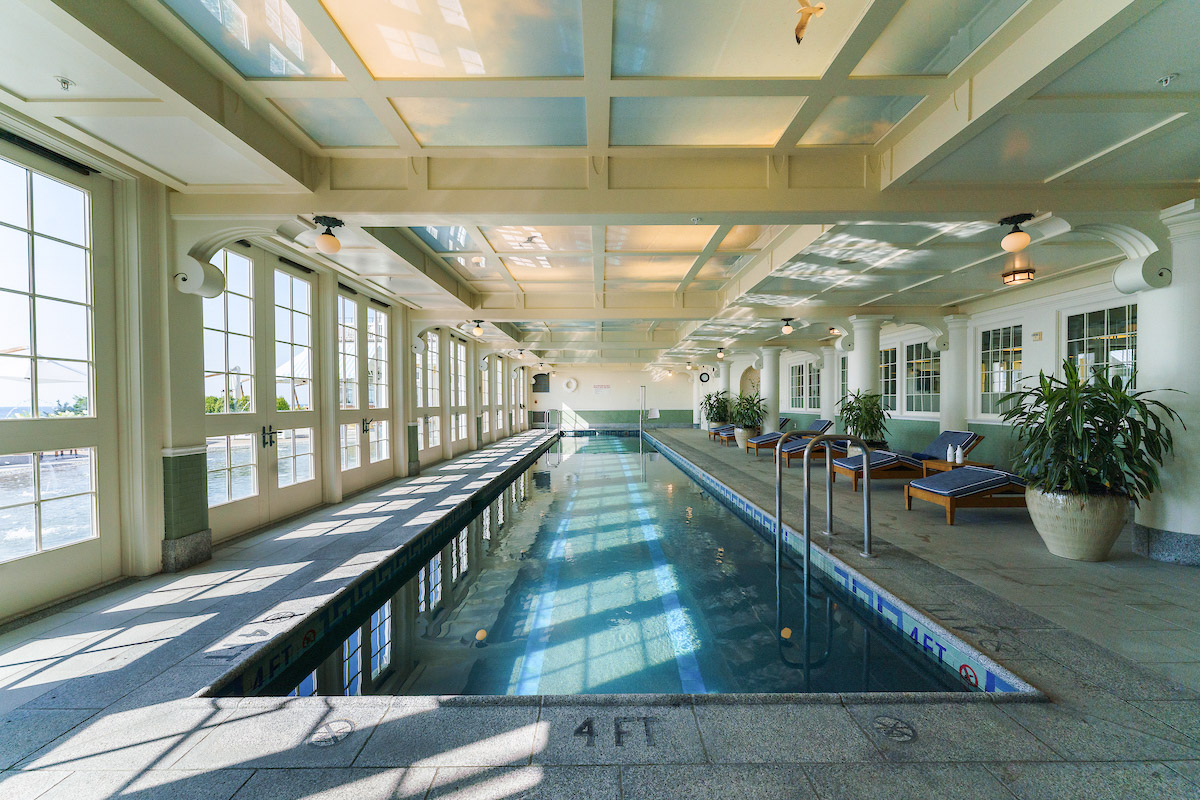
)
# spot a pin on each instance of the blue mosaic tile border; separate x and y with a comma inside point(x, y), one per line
point(975, 669)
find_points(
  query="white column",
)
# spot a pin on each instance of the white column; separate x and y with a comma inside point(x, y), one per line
point(1168, 523)
point(863, 367)
point(697, 396)
point(830, 378)
point(956, 375)
point(326, 353)
point(725, 368)
point(505, 395)
point(472, 376)
point(769, 390)
point(445, 384)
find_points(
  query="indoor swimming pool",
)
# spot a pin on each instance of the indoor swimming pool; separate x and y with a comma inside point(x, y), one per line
point(605, 569)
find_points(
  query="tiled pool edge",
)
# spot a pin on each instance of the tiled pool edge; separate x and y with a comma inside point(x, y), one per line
point(266, 659)
point(938, 643)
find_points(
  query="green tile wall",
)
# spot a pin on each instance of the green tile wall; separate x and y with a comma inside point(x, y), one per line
point(999, 445)
point(185, 495)
point(666, 416)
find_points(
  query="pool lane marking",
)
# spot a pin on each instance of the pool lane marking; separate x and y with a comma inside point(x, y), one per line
point(678, 627)
point(543, 611)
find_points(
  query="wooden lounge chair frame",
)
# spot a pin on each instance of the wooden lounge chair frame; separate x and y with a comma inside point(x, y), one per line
point(892, 471)
point(1009, 496)
point(713, 433)
point(820, 453)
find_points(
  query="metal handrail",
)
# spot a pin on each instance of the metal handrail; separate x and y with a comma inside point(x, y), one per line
point(807, 527)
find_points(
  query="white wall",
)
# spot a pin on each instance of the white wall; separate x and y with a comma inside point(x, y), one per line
point(622, 394)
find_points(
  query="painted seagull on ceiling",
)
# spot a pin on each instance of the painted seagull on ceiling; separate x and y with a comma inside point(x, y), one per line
point(807, 12)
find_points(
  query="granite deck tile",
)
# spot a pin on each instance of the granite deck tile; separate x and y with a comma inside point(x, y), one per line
point(149, 785)
point(336, 784)
point(1094, 781)
point(527, 783)
point(905, 782)
point(768, 734)
point(625, 734)
point(423, 732)
point(24, 731)
point(744, 782)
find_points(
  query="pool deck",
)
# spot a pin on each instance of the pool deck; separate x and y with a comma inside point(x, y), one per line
point(95, 699)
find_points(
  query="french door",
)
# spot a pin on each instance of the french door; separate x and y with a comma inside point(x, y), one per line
point(260, 371)
point(364, 391)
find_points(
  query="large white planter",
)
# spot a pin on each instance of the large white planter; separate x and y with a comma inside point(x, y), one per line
point(1079, 527)
point(741, 435)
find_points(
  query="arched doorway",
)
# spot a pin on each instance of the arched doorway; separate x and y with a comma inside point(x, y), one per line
point(750, 382)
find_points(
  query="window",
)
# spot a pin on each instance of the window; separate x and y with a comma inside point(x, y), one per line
point(379, 446)
point(845, 377)
point(419, 378)
point(293, 343)
point(381, 639)
point(377, 358)
point(229, 339)
point(460, 428)
point(459, 372)
point(46, 357)
point(347, 352)
point(486, 522)
point(485, 384)
point(814, 386)
point(458, 560)
point(1106, 339)
point(499, 514)
point(350, 446)
point(420, 435)
point(352, 664)
point(435, 581)
point(433, 369)
point(307, 687)
point(1000, 367)
point(47, 500)
point(484, 421)
point(435, 431)
point(232, 468)
point(923, 382)
point(797, 384)
point(888, 377)
point(295, 452)
point(499, 420)
point(423, 589)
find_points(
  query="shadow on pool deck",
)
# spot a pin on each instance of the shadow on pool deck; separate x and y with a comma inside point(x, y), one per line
point(93, 698)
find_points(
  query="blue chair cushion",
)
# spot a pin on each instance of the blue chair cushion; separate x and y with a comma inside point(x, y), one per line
point(937, 448)
point(879, 459)
point(784, 422)
point(911, 461)
point(722, 428)
point(766, 437)
point(966, 481)
point(819, 426)
point(792, 445)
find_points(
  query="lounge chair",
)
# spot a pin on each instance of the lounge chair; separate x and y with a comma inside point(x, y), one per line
point(968, 487)
point(794, 448)
point(887, 464)
point(715, 433)
point(727, 435)
point(768, 440)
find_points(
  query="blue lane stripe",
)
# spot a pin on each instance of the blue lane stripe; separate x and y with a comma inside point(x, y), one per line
point(543, 614)
point(679, 629)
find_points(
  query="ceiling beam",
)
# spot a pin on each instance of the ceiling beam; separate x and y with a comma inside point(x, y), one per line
point(714, 242)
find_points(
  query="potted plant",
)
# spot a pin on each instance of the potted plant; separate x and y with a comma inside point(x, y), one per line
point(864, 416)
point(715, 408)
point(1089, 448)
point(747, 414)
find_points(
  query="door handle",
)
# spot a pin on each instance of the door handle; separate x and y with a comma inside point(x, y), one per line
point(268, 431)
point(366, 424)
point(265, 442)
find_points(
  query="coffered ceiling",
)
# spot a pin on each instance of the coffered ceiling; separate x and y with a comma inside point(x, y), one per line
point(636, 179)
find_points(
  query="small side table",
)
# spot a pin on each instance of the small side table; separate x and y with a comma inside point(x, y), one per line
point(941, 465)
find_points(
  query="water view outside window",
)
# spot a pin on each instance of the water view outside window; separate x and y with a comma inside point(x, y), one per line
point(379, 444)
point(377, 358)
point(232, 468)
point(46, 357)
point(47, 500)
point(1000, 366)
point(295, 452)
point(350, 446)
point(229, 339)
point(347, 352)
point(1106, 339)
point(293, 343)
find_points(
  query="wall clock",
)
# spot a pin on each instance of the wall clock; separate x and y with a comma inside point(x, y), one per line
point(704, 377)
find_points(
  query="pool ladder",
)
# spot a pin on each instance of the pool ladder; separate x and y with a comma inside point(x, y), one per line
point(808, 451)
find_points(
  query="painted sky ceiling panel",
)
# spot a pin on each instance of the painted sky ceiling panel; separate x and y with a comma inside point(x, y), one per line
point(932, 37)
point(464, 38)
point(259, 38)
point(495, 121)
point(701, 121)
point(726, 38)
point(337, 121)
point(858, 119)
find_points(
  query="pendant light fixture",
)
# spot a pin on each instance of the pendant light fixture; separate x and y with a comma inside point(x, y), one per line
point(720, 353)
point(327, 243)
point(478, 329)
point(1017, 239)
point(834, 332)
point(1018, 275)
point(787, 325)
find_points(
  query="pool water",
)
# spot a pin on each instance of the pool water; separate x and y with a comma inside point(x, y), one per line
point(605, 569)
